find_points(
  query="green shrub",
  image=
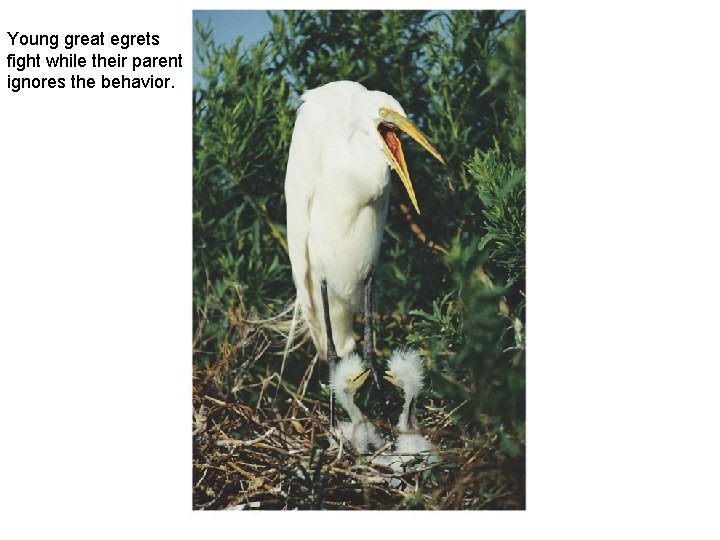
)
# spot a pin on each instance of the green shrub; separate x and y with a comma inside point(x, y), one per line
point(460, 75)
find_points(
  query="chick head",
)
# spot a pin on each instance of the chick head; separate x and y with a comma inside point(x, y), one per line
point(349, 375)
point(406, 371)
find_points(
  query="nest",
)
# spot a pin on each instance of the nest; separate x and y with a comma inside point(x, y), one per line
point(254, 458)
point(282, 454)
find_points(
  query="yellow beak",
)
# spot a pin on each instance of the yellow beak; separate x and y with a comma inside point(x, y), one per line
point(358, 381)
point(390, 377)
point(398, 163)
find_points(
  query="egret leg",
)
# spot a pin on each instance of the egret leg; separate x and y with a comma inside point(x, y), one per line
point(332, 356)
point(369, 346)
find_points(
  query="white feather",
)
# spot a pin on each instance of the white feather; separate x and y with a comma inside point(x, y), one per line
point(336, 189)
point(406, 365)
point(359, 431)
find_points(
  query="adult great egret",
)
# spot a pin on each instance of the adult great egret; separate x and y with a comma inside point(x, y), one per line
point(336, 186)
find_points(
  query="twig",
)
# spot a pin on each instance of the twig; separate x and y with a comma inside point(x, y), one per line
point(233, 443)
point(448, 416)
point(306, 377)
point(415, 228)
point(216, 401)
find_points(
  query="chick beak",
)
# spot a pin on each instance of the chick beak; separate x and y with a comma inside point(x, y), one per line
point(390, 377)
point(393, 149)
point(360, 379)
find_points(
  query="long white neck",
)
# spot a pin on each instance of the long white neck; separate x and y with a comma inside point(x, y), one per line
point(407, 422)
point(356, 415)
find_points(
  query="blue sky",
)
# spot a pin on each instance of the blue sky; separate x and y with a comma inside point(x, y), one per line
point(227, 25)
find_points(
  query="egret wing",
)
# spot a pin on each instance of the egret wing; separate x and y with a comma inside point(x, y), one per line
point(302, 169)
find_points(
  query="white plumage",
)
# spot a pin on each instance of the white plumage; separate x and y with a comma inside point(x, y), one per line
point(336, 188)
point(406, 370)
point(348, 376)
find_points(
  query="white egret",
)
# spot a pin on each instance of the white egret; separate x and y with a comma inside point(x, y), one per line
point(346, 379)
point(336, 187)
point(405, 370)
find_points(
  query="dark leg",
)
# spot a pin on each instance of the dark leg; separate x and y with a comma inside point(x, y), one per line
point(332, 356)
point(369, 348)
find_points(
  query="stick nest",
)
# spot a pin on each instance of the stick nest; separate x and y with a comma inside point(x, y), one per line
point(250, 458)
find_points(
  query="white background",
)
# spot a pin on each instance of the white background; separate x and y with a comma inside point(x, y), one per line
point(95, 291)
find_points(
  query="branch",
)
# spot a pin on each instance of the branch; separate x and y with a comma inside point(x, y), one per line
point(415, 228)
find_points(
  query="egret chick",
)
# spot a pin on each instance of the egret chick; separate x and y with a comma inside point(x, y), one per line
point(405, 370)
point(345, 380)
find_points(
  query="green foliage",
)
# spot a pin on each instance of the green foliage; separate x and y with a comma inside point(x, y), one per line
point(501, 188)
point(242, 123)
point(460, 76)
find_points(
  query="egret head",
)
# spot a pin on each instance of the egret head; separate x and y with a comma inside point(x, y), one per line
point(405, 370)
point(349, 375)
point(388, 116)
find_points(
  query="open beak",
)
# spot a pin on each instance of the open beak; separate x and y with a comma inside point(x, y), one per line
point(393, 149)
point(360, 379)
point(390, 377)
